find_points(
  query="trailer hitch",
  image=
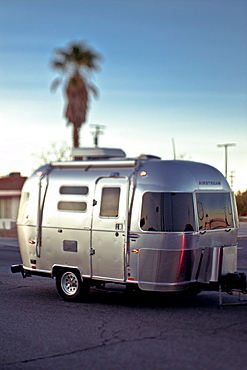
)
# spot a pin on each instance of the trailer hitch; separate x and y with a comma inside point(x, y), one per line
point(19, 268)
point(233, 281)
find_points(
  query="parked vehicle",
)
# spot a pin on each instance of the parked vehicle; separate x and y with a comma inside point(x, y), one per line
point(147, 223)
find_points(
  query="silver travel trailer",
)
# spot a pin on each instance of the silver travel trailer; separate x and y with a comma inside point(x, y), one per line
point(152, 224)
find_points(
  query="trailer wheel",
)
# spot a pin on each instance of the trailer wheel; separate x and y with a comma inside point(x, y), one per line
point(70, 287)
point(194, 289)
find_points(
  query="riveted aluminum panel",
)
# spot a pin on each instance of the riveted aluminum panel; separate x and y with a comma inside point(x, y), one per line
point(167, 270)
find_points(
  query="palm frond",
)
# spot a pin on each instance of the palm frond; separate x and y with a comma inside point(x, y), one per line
point(94, 90)
point(56, 64)
point(55, 83)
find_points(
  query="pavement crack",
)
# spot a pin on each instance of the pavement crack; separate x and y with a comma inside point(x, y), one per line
point(103, 344)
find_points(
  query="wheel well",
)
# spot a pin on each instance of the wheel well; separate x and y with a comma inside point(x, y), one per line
point(57, 268)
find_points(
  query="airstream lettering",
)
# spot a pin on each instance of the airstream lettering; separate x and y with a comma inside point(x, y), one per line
point(151, 224)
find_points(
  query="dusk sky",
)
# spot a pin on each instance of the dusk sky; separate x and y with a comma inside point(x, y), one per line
point(172, 69)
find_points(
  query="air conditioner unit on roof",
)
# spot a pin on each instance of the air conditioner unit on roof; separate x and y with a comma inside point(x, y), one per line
point(97, 153)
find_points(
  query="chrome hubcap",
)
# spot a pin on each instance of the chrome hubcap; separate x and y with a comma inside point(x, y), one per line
point(69, 283)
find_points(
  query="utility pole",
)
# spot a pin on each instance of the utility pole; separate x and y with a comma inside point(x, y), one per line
point(98, 131)
point(232, 177)
point(226, 158)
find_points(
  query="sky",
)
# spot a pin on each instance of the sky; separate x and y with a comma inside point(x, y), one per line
point(173, 79)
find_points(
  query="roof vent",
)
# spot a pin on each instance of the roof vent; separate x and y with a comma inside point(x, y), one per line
point(148, 157)
point(97, 153)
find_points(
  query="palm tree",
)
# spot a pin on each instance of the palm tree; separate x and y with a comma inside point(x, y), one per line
point(76, 62)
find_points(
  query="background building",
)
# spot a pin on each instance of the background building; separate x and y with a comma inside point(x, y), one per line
point(10, 192)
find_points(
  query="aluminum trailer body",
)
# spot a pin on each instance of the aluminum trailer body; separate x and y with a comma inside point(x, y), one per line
point(158, 225)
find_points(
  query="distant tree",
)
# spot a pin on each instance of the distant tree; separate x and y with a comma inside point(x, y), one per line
point(76, 63)
point(241, 199)
point(53, 152)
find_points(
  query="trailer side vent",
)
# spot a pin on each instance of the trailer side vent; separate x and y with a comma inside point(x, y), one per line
point(70, 245)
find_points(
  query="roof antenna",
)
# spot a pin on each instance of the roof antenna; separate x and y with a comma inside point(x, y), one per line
point(174, 149)
point(98, 130)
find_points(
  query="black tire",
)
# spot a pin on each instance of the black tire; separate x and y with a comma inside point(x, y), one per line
point(70, 286)
point(194, 289)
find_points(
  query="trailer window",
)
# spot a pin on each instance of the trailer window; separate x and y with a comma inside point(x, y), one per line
point(170, 212)
point(214, 211)
point(109, 202)
point(72, 206)
point(74, 190)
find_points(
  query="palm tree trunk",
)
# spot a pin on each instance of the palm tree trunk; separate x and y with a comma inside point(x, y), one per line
point(77, 105)
point(76, 139)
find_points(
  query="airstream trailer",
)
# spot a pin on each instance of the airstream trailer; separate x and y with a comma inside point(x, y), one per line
point(152, 224)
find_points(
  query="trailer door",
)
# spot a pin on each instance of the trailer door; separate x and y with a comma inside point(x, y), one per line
point(108, 241)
